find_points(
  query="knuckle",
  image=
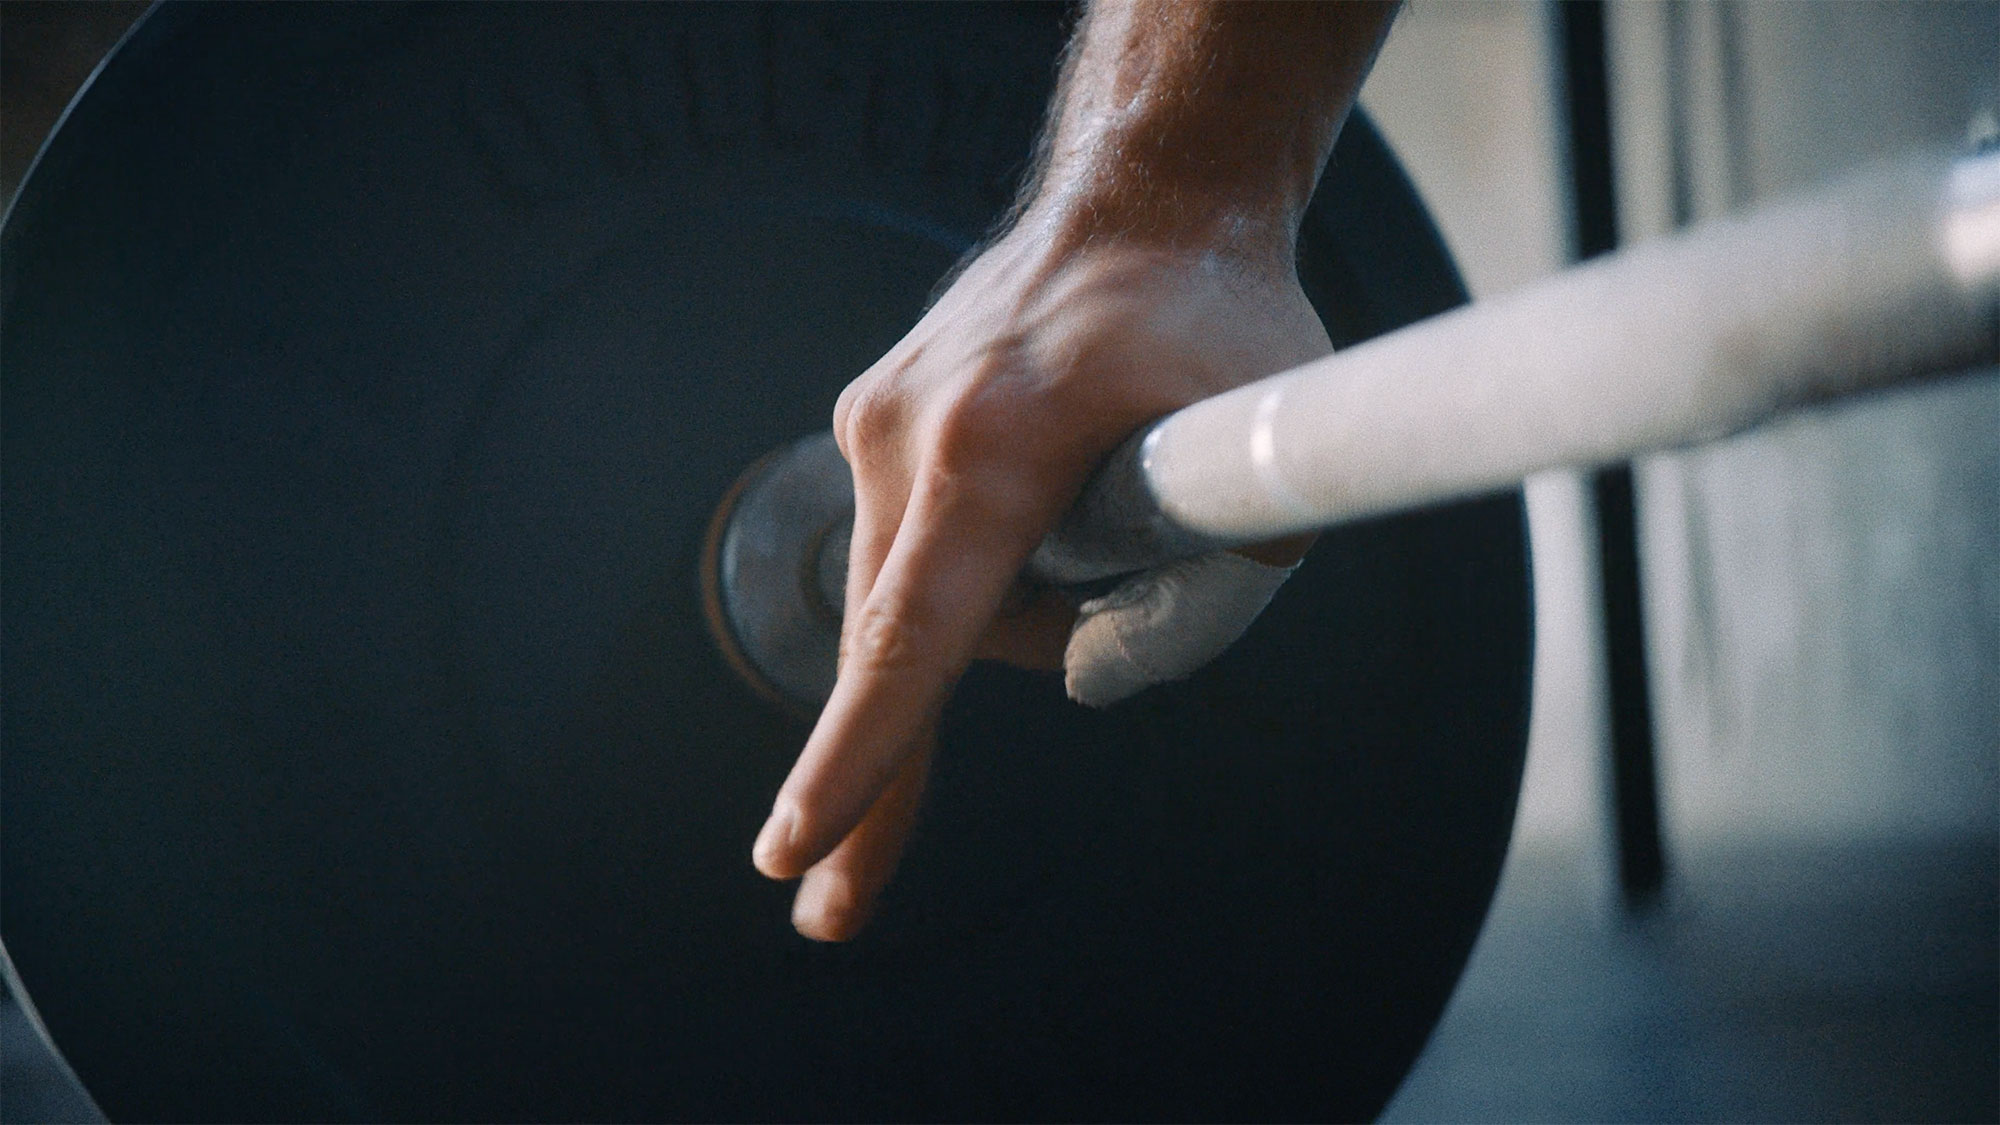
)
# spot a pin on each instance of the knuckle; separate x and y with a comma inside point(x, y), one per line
point(999, 450)
point(967, 425)
point(843, 411)
point(983, 422)
point(881, 639)
point(868, 413)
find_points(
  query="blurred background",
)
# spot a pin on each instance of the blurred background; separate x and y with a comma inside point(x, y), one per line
point(1785, 904)
point(1821, 606)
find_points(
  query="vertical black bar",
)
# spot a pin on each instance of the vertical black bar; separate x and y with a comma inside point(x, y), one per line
point(1587, 103)
point(1634, 787)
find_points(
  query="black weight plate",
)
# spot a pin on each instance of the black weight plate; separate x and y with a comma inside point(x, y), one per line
point(369, 376)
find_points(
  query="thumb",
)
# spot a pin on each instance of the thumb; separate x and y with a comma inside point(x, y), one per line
point(1163, 624)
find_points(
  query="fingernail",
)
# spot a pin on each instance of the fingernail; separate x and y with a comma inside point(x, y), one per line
point(775, 836)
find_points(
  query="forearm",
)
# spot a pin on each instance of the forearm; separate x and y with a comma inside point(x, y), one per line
point(1201, 122)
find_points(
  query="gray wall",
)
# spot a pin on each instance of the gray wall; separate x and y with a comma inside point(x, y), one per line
point(1823, 596)
point(1824, 605)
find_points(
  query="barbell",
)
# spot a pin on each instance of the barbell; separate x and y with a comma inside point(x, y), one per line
point(1888, 277)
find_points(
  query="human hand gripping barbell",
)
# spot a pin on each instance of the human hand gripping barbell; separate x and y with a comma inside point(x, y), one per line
point(1889, 276)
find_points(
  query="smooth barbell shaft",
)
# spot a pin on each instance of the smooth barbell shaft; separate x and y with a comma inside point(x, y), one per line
point(1891, 276)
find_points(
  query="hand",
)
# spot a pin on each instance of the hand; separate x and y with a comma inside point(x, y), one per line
point(968, 441)
point(1165, 623)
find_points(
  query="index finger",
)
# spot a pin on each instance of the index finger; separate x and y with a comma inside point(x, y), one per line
point(903, 648)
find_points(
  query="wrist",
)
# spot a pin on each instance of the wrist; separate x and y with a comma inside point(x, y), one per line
point(1122, 207)
point(1198, 124)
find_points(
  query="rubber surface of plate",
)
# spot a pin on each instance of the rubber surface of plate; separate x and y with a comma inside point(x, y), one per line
point(369, 376)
